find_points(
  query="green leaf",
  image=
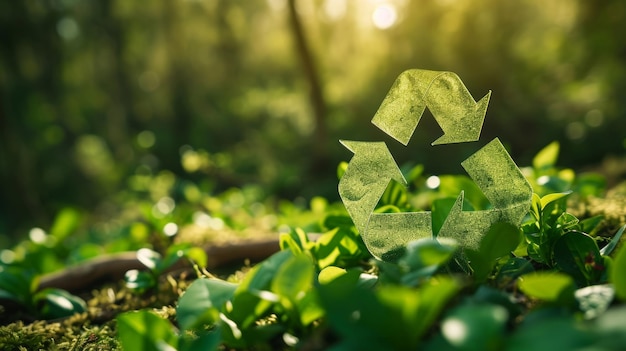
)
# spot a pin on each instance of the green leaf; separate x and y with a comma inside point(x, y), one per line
point(416, 309)
point(202, 302)
point(329, 274)
point(341, 169)
point(546, 157)
point(514, 268)
point(206, 341)
point(611, 329)
point(362, 316)
point(248, 307)
point(395, 196)
point(475, 327)
point(501, 239)
point(590, 184)
point(551, 198)
point(287, 242)
point(261, 276)
point(149, 258)
point(493, 296)
point(333, 221)
point(428, 252)
point(577, 254)
point(452, 185)
point(567, 221)
point(356, 277)
point(536, 207)
point(353, 311)
point(294, 277)
point(17, 284)
point(423, 258)
point(57, 303)
point(413, 173)
point(613, 243)
point(340, 246)
point(309, 308)
point(65, 223)
point(617, 275)
point(139, 281)
point(551, 333)
point(251, 299)
point(547, 286)
point(327, 250)
point(145, 331)
point(197, 255)
point(590, 225)
point(174, 254)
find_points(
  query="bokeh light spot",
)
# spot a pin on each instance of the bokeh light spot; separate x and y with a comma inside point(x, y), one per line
point(170, 229)
point(454, 330)
point(163, 207)
point(384, 16)
point(37, 235)
point(7, 256)
point(575, 130)
point(594, 118)
point(146, 139)
point(433, 182)
point(68, 28)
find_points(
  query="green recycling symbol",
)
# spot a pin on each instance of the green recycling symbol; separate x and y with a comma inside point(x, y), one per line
point(372, 167)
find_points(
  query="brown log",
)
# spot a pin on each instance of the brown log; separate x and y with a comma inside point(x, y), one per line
point(112, 267)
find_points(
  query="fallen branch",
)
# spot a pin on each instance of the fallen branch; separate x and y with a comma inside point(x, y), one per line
point(112, 267)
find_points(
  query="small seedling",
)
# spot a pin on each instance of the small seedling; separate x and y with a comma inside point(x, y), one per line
point(141, 281)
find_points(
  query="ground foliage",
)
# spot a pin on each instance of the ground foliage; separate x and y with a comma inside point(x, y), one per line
point(556, 281)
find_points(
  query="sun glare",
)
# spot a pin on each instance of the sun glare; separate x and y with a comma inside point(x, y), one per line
point(384, 16)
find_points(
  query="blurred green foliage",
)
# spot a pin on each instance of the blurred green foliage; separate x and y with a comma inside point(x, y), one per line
point(101, 96)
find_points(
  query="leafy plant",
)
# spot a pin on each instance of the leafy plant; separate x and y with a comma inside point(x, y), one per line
point(341, 246)
point(21, 287)
point(557, 238)
point(141, 281)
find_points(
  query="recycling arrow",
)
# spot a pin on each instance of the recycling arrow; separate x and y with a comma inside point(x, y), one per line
point(502, 183)
point(361, 187)
point(366, 178)
point(372, 167)
point(446, 97)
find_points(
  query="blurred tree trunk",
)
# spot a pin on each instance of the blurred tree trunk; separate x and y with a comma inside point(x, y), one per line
point(119, 116)
point(20, 133)
point(178, 80)
point(316, 95)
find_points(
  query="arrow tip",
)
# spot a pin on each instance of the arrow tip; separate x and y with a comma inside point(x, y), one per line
point(470, 126)
point(447, 228)
point(375, 156)
point(349, 144)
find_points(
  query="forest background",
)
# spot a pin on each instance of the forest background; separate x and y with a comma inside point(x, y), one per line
point(96, 96)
